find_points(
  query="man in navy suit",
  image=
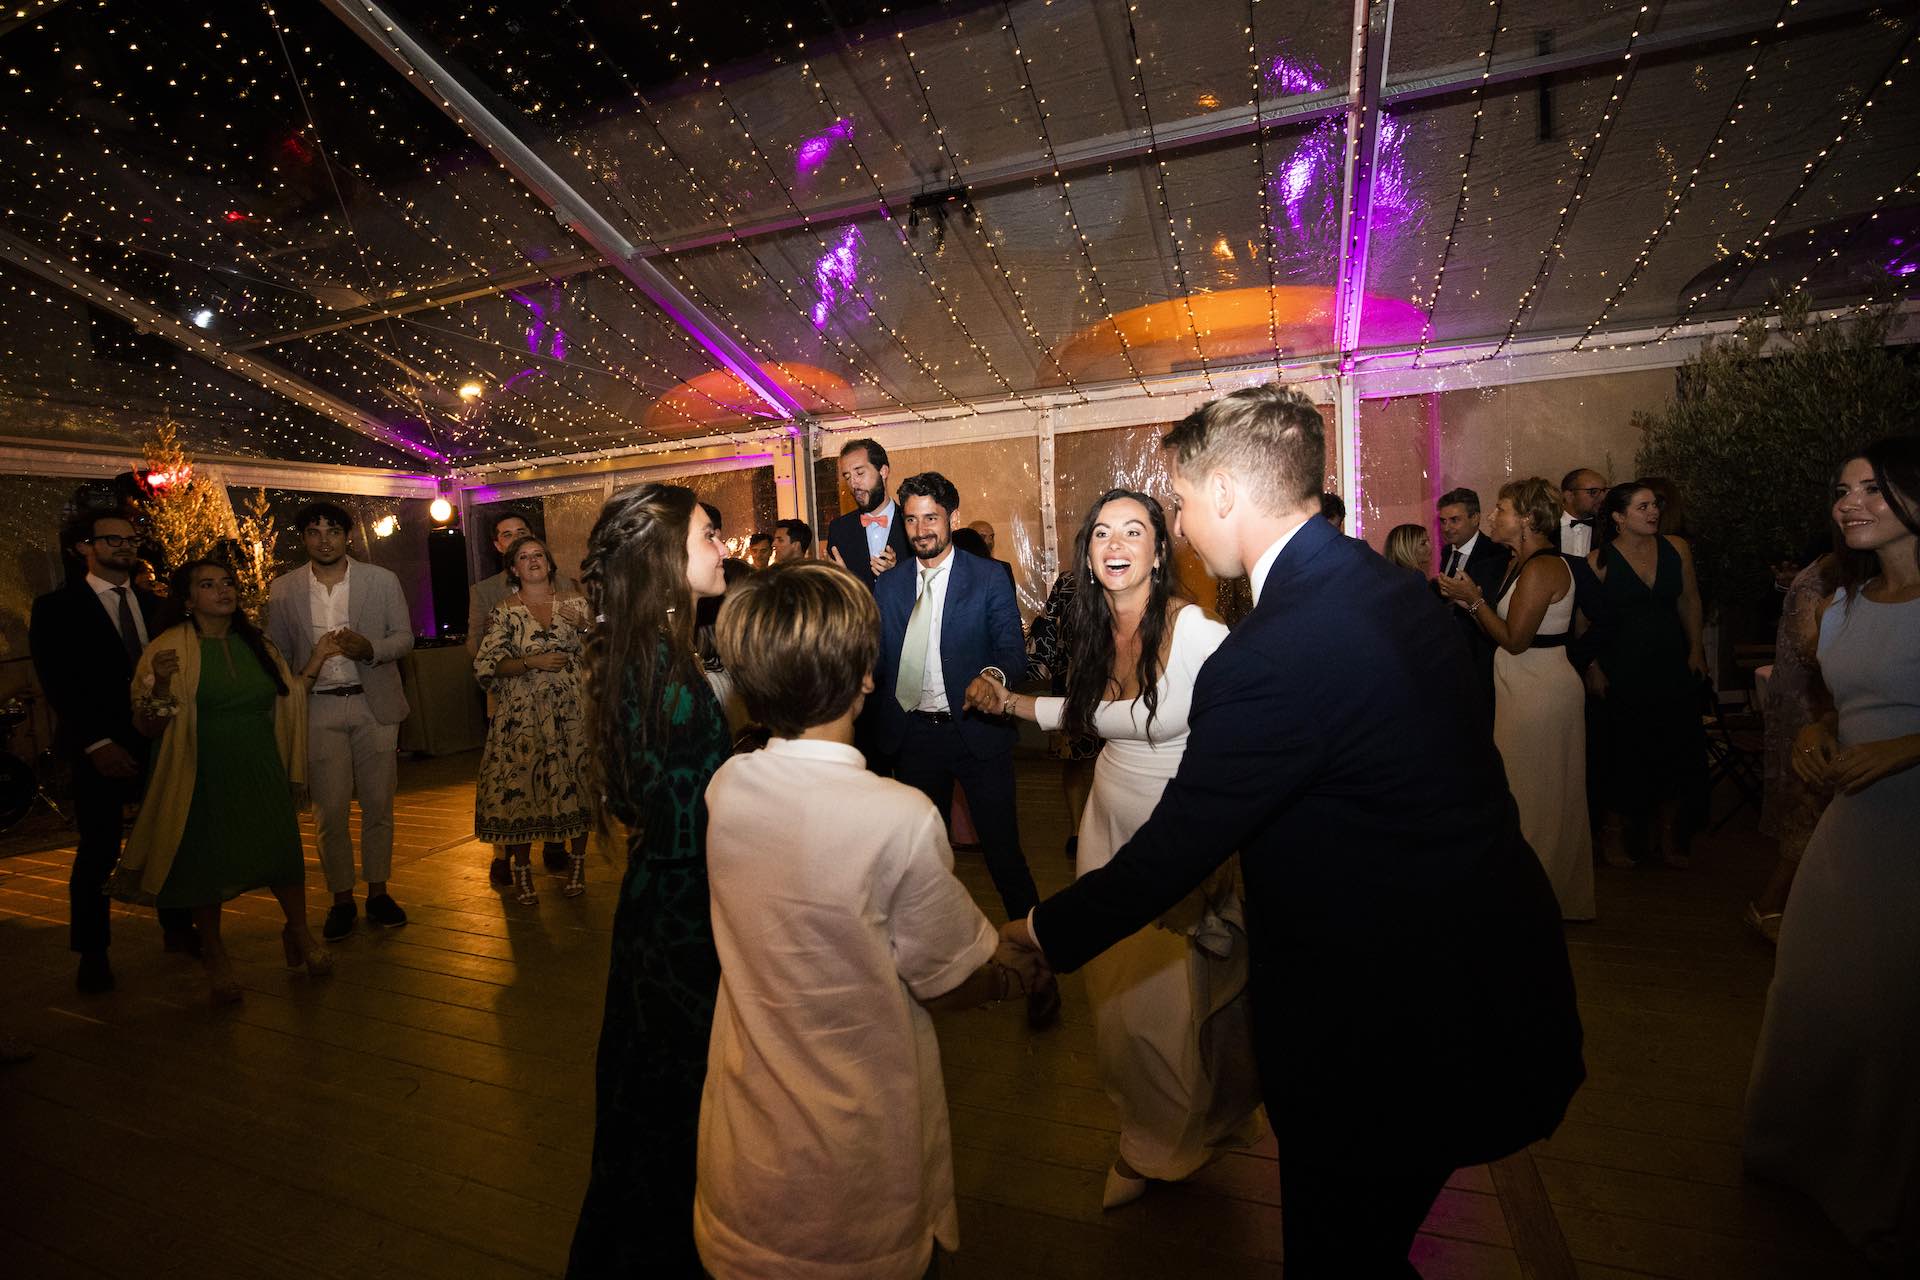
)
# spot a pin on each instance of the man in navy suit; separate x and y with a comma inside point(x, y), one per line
point(947, 618)
point(86, 638)
point(1412, 1001)
point(872, 538)
point(1472, 554)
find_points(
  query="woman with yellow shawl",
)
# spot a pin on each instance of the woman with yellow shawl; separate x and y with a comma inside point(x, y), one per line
point(218, 818)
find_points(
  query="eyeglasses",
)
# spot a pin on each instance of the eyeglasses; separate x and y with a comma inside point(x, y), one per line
point(1591, 493)
point(116, 539)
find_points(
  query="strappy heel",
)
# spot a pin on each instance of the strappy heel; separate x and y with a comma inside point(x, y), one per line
point(523, 891)
point(576, 875)
point(317, 961)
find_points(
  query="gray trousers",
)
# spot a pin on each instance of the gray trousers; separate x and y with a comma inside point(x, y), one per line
point(349, 754)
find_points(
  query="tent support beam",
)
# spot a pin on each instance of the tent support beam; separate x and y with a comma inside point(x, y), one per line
point(428, 71)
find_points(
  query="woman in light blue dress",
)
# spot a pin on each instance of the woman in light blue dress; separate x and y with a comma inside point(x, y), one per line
point(1834, 1104)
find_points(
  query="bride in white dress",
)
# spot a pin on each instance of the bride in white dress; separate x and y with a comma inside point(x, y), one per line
point(1169, 1006)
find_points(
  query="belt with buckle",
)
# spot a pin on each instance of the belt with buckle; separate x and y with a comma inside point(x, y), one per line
point(934, 717)
point(341, 691)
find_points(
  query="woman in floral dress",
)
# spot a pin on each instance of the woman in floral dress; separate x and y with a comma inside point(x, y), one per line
point(533, 769)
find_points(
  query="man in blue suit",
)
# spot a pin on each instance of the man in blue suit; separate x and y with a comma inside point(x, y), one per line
point(1412, 1001)
point(947, 618)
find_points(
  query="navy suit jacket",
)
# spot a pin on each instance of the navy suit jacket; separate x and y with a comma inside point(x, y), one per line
point(1410, 987)
point(979, 628)
point(848, 536)
point(83, 665)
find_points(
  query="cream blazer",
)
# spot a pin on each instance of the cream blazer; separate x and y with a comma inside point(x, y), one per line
point(155, 837)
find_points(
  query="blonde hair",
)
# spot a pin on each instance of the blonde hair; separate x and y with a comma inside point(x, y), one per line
point(1270, 436)
point(799, 640)
point(1537, 502)
point(1402, 545)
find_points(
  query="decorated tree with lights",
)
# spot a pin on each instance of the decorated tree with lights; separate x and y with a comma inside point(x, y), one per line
point(1761, 423)
point(186, 514)
point(254, 561)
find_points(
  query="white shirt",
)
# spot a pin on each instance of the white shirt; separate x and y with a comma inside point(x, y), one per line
point(329, 610)
point(1466, 550)
point(825, 1151)
point(877, 533)
point(933, 688)
point(1575, 539)
point(109, 597)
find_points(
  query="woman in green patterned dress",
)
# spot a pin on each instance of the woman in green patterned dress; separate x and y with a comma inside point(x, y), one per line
point(218, 817)
point(658, 735)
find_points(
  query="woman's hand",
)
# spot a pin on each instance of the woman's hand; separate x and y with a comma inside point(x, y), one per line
point(1596, 680)
point(1814, 749)
point(1859, 767)
point(1697, 663)
point(550, 660)
point(166, 665)
point(327, 647)
point(1460, 589)
point(987, 696)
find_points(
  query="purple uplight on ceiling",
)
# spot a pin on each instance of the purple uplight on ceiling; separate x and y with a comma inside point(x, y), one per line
point(836, 274)
point(544, 335)
point(813, 152)
point(1285, 78)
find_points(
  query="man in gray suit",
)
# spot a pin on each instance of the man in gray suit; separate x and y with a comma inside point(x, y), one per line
point(355, 707)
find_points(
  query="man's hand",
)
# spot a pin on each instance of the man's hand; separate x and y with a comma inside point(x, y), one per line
point(1596, 681)
point(885, 560)
point(353, 644)
point(1019, 952)
point(833, 554)
point(987, 695)
point(113, 761)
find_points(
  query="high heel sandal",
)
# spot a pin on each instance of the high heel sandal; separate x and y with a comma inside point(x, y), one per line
point(523, 891)
point(222, 987)
point(317, 961)
point(576, 875)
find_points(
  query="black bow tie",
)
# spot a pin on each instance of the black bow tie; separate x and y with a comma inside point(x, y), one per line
point(1588, 521)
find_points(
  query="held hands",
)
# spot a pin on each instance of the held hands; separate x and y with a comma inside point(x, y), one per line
point(1859, 767)
point(352, 644)
point(1814, 750)
point(987, 696)
point(1018, 952)
point(328, 647)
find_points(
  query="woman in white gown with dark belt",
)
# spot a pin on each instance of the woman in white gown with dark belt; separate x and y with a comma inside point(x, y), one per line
point(1168, 1003)
point(1539, 705)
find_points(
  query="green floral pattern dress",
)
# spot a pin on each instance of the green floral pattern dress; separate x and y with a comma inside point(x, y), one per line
point(533, 769)
point(638, 1216)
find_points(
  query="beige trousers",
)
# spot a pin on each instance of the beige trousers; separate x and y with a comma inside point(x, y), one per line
point(350, 754)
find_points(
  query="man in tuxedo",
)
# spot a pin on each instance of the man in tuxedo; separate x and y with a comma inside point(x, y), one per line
point(1580, 494)
point(1412, 1001)
point(946, 619)
point(86, 638)
point(354, 707)
point(1480, 558)
point(870, 539)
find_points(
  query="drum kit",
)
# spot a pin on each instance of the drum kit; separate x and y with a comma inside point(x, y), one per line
point(20, 785)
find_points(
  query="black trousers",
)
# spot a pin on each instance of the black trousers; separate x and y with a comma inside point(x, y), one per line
point(98, 802)
point(932, 758)
point(1341, 1222)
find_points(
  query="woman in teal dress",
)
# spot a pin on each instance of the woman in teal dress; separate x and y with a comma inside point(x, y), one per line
point(659, 733)
point(218, 817)
point(1647, 675)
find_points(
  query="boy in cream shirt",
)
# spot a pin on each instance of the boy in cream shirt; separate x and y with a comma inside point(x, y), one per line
point(824, 1146)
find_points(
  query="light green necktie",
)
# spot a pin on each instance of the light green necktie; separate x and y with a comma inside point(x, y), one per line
point(913, 652)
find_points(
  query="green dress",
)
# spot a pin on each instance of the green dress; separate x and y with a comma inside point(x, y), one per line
point(241, 831)
point(637, 1219)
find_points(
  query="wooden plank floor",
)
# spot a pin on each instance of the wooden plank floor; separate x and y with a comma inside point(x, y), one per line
point(428, 1110)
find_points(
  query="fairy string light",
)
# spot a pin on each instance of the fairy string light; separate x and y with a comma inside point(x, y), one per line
point(1064, 188)
point(1477, 101)
point(1645, 20)
point(1272, 254)
point(1158, 163)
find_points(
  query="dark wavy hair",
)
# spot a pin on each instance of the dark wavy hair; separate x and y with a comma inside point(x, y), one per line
point(635, 579)
point(1896, 469)
point(1615, 504)
point(174, 611)
point(1089, 623)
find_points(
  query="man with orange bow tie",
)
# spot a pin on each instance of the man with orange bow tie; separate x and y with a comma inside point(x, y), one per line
point(870, 539)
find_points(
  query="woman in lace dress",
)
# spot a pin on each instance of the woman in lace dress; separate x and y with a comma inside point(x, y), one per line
point(533, 769)
point(1168, 1003)
point(1539, 707)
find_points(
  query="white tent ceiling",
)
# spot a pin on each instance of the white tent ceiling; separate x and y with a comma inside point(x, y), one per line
point(915, 213)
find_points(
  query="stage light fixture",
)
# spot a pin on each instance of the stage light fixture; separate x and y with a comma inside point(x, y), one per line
point(471, 389)
point(203, 318)
point(440, 509)
point(385, 526)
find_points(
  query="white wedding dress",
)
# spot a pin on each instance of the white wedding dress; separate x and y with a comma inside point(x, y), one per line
point(1169, 1008)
